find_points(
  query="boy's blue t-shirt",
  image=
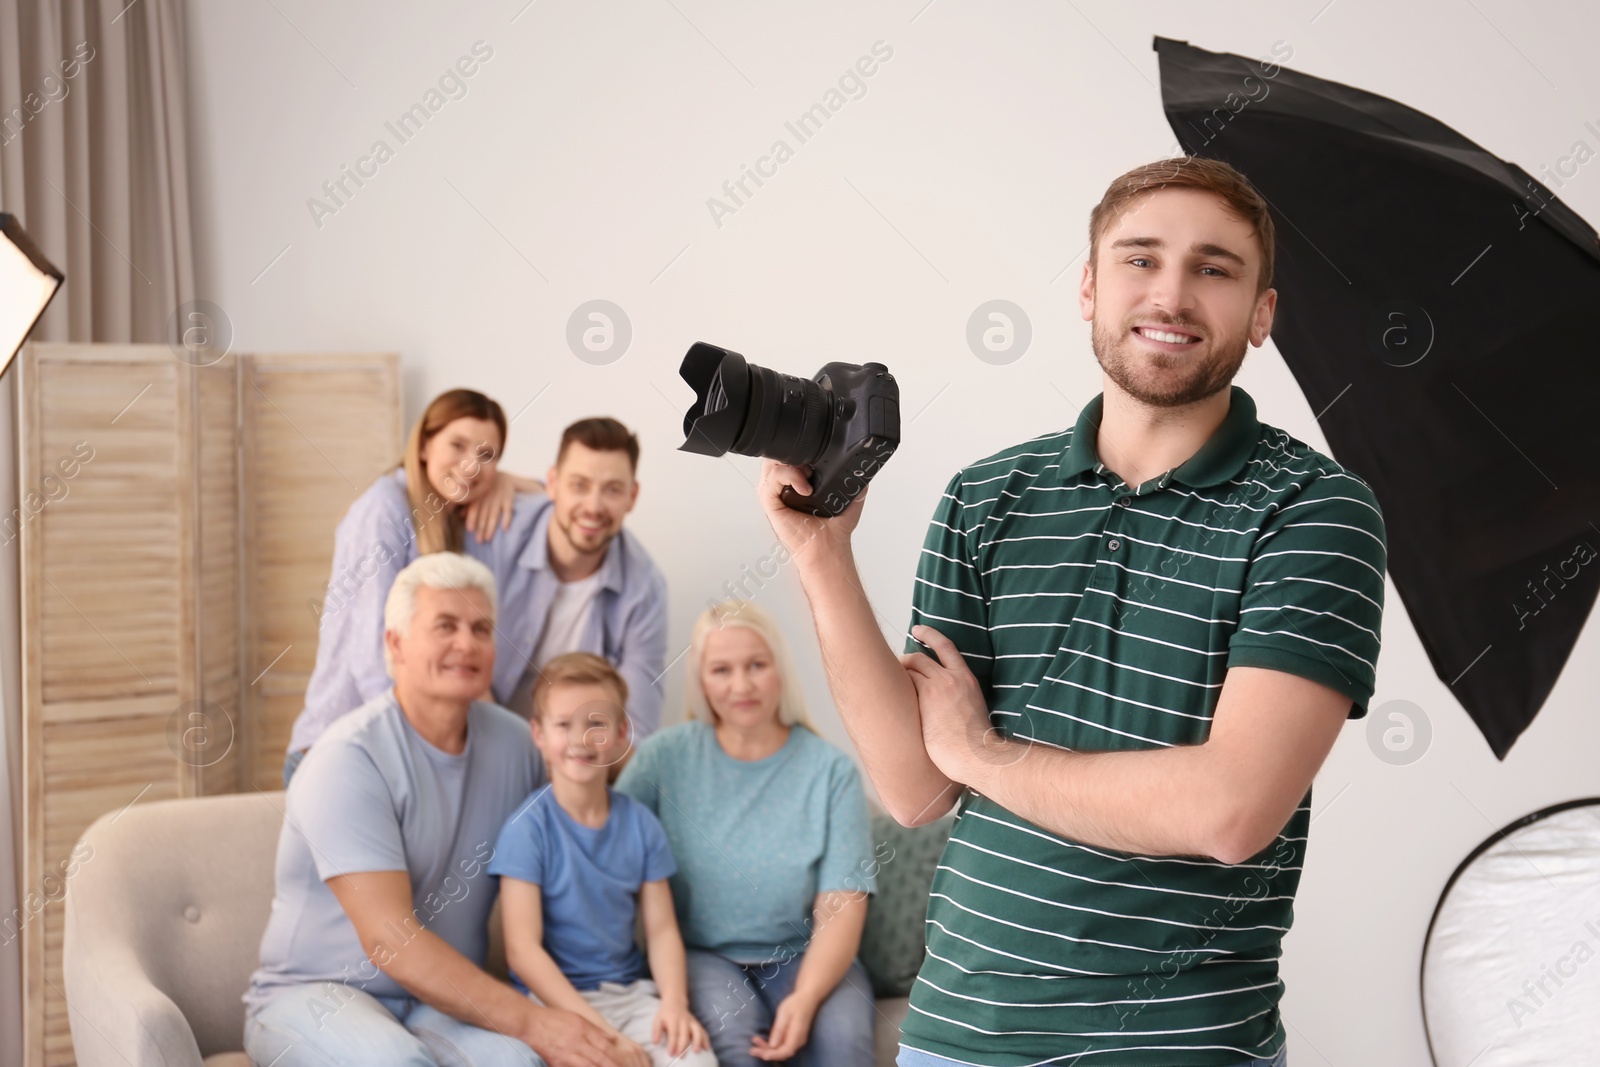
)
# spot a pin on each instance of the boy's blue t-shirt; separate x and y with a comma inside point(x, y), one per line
point(589, 881)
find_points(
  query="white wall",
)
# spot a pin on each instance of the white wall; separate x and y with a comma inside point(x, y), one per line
point(579, 164)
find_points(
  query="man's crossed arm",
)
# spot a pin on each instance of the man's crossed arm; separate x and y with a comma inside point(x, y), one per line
point(1227, 798)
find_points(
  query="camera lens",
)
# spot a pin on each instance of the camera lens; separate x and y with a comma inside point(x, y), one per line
point(788, 418)
point(740, 407)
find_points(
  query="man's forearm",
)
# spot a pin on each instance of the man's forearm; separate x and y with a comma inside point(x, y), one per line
point(1155, 802)
point(643, 661)
point(875, 698)
point(431, 970)
point(644, 697)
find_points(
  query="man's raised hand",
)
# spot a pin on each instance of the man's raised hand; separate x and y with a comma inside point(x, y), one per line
point(801, 533)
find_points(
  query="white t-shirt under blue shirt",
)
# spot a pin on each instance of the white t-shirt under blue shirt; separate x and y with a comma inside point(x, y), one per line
point(373, 795)
point(588, 879)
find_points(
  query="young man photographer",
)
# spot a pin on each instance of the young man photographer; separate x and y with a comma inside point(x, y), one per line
point(1145, 633)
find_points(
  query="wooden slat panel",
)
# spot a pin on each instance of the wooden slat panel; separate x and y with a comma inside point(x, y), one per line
point(219, 609)
point(273, 716)
point(91, 768)
point(30, 441)
point(318, 430)
point(89, 710)
point(57, 1029)
point(185, 551)
point(110, 542)
point(107, 633)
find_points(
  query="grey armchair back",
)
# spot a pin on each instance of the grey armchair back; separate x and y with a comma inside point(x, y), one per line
point(163, 928)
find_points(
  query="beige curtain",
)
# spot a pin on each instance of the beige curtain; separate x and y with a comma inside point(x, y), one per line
point(93, 161)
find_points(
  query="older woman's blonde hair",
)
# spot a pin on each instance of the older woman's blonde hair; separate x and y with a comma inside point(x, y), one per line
point(742, 613)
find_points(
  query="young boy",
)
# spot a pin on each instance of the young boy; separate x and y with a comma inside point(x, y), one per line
point(578, 862)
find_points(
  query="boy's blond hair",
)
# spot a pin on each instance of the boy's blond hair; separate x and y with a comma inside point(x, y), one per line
point(578, 668)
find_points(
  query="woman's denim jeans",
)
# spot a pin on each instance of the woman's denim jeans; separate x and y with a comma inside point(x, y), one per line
point(735, 1002)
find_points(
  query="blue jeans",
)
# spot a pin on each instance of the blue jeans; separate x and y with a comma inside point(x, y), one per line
point(912, 1058)
point(326, 1023)
point(736, 1001)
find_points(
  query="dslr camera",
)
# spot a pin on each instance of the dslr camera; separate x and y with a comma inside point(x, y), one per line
point(843, 423)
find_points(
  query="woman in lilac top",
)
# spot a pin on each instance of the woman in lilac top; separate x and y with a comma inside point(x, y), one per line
point(448, 494)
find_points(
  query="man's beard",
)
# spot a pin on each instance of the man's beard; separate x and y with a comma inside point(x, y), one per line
point(1168, 379)
point(570, 529)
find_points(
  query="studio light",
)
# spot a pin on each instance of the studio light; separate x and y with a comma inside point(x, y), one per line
point(27, 283)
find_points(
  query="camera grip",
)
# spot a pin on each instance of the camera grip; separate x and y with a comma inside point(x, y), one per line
point(811, 505)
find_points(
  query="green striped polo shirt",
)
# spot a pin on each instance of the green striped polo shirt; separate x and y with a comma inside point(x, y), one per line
point(1098, 615)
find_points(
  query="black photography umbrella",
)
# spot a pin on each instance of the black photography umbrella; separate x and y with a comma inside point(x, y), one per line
point(1433, 305)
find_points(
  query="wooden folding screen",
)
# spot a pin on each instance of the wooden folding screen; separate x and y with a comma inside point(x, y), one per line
point(318, 430)
point(177, 531)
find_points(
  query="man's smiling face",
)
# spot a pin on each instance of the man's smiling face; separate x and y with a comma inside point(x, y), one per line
point(1172, 296)
point(592, 490)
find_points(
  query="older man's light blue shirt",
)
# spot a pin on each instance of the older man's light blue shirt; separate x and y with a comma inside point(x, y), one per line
point(375, 795)
point(376, 539)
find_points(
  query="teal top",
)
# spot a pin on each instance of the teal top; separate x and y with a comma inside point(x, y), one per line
point(755, 840)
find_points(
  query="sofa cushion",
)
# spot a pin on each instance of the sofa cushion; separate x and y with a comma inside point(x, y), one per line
point(892, 944)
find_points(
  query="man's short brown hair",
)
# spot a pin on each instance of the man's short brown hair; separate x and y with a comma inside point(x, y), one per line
point(1189, 172)
point(603, 434)
point(578, 668)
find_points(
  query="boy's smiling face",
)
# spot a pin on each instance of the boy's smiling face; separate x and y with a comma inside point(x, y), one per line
point(581, 731)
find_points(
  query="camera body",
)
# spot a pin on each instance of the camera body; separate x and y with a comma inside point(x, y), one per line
point(866, 424)
point(843, 423)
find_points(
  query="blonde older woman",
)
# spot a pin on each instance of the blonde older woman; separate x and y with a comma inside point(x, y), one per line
point(769, 827)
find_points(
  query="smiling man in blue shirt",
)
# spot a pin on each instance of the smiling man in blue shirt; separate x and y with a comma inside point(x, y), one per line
point(575, 580)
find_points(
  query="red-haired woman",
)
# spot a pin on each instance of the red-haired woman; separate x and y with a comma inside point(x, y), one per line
point(447, 495)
